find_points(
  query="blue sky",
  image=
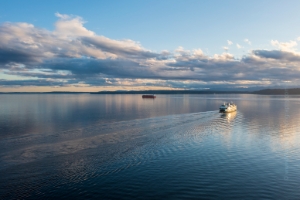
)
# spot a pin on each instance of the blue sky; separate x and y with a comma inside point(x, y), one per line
point(255, 42)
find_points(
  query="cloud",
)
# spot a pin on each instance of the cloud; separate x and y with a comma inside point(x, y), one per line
point(18, 83)
point(278, 55)
point(72, 55)
point(285, 46)
point(239, 46)
point(125, 48)
point(229, 42)
point(70, 26)
point(69, 40)
point(247, 41)
point(226, 48)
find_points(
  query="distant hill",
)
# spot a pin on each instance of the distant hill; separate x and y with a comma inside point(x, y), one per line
point(292, 91)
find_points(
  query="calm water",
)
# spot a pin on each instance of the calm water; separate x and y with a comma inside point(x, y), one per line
point(125, 147)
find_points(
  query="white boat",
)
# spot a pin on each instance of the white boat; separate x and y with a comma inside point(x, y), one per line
point(228, 107)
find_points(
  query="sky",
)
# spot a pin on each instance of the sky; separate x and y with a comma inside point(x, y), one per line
point(99, 45)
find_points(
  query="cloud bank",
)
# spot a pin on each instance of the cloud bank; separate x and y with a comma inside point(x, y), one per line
point(72, 55)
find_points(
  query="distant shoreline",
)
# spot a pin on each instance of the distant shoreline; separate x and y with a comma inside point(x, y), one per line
point(172, 92)
point(292, 91)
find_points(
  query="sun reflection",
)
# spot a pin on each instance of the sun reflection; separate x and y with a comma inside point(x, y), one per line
point(229, 116)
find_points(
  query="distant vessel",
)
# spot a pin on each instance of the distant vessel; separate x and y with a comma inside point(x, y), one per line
point(228, 107)
point(152, 96)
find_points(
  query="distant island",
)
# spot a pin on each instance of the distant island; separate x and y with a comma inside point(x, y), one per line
point(291, 91)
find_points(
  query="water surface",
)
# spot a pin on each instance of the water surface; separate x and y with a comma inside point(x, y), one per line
point(126, 147)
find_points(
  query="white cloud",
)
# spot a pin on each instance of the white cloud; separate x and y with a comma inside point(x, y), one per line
point(226, 48)
point(70, 27)
point(247, 41)
point(285, 46)
point(69, 39)
point(62, 16)
point(223, 56)
point(229, 42)
point(239, 46)
point(198, 52)
point(179, 49)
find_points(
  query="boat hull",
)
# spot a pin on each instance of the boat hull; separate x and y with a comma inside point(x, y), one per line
point(149, 96)
point(227, 111)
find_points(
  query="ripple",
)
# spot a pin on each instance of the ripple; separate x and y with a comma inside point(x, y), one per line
point(184, 156)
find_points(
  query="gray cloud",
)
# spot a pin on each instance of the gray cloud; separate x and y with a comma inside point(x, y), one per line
point(37, 82)
point(117, 48)
point(16, 56)
point(278, 55)
point(119, 68)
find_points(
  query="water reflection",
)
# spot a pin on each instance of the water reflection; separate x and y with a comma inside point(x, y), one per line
point(177, 146)
point(23, 114)
point(229, 116)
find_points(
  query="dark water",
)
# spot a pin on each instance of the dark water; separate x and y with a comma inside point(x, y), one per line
point(125, 147)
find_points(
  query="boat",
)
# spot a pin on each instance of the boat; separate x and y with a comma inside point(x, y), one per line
point(151, 96)
point(228, 107)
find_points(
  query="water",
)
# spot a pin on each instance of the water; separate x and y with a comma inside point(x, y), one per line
point(125, 147)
